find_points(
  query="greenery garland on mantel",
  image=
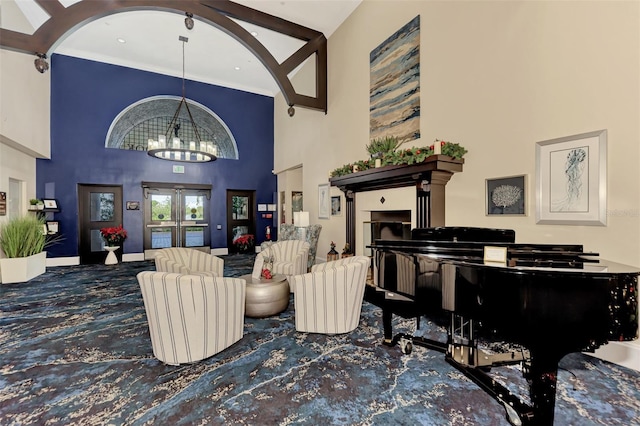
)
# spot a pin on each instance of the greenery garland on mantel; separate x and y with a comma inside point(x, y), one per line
point(386, 151)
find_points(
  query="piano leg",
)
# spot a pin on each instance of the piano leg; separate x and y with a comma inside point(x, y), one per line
point(542, 375)
point(387, 316)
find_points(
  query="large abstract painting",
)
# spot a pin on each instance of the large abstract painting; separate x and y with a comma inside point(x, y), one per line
point(394, 96)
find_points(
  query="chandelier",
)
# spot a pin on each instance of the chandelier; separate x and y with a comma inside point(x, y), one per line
point(170, 147)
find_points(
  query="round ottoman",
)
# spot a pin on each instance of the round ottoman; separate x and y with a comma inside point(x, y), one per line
point(266, 297)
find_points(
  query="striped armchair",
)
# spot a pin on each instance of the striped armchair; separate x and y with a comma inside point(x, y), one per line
point(329, 298)
point(192, 317)
point(289, 256)
point(312, 234)
point(188, 261)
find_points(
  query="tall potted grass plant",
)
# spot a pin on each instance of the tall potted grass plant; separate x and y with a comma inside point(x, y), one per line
point(22, 241)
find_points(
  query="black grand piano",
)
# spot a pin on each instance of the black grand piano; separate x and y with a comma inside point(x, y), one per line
point(545, 300)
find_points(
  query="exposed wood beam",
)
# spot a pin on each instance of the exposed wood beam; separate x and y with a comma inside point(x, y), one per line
point(52, 7)
point(273, 23)
point(214, 12)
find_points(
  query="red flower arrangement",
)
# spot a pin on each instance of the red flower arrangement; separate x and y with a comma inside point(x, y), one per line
point(114, 236)
point(267, 267)
point(244, 242)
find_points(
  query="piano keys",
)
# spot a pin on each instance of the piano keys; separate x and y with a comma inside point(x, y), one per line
point(549, 299)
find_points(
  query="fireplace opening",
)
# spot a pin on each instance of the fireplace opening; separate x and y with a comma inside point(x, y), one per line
point(386, 225)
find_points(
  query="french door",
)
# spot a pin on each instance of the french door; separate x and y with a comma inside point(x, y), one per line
point(241, 219)
point(99, 206)
point(176, 216)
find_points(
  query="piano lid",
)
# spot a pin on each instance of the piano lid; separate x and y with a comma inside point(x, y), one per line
point(591, 269)
point(469, 243)
point(464, 233)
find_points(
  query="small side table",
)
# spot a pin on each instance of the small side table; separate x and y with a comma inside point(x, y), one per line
point(111, 256)
point(264, 297)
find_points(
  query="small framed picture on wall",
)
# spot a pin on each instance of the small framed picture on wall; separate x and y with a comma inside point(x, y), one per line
point(336, 205)
point(323, 201)
point(50, 203)
point(507, 196)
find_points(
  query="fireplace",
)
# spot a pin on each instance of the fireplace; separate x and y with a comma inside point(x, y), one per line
point(386, 225)
point(429, 179)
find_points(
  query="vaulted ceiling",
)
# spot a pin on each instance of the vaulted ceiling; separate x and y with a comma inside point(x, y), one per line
point(248, 45)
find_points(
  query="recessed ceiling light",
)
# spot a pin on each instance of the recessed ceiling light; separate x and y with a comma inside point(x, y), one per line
point(121, 40)
point(237, 68)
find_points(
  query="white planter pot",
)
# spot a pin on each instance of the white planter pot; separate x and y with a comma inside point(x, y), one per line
point(22, 269)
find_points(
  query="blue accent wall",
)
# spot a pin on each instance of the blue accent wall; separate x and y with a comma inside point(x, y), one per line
point(86, 96)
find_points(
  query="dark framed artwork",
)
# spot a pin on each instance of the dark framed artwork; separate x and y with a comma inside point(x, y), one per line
point(52, 227)
point(506, 196)
point(50, 203)
point(133, 205)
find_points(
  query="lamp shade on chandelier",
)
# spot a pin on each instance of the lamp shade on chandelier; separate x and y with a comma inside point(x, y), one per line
point(170, 147)
point(177, 150)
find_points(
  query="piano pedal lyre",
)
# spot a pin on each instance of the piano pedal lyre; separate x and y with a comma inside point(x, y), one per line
point(463, 348)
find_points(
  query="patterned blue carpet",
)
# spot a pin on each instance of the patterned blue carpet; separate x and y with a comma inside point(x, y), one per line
point(75, 349)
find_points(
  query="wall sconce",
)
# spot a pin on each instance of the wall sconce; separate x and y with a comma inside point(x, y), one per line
point(41, 63)
point(188, 21)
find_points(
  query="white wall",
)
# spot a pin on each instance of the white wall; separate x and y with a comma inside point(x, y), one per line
point(496, 77)
point(24, 105)
point(21, 167)
point(24, 122)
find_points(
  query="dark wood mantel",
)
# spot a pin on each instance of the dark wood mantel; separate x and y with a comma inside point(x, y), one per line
point(429, 177)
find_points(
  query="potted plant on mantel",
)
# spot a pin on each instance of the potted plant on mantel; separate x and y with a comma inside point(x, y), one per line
point(22, 241)
point(378, 148)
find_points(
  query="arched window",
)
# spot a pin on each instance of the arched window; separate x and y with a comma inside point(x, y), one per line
point(150, 117)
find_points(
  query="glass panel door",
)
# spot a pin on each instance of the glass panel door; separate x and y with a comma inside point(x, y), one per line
point(101, 209)
point(194, 226)
point(160, 219)
point(176, 217)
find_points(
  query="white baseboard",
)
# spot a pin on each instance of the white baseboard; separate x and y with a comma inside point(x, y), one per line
point(132, 257)
point(626, 354)
point(222, 251)
point(63, 261)
point(75, 260)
